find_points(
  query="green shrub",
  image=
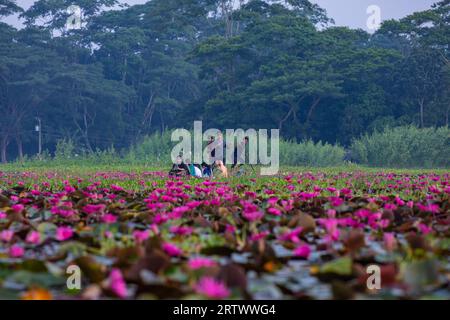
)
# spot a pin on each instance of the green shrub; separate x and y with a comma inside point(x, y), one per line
point(406, 147)
point(65, 149)
point(308, 153)
point(153, 149)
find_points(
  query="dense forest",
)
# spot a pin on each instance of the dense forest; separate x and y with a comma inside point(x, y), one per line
point(133, 71)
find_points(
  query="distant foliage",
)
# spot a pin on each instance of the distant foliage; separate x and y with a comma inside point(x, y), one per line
point(67, 152)
point(65, 149)
point(405, 147)
point(153, 149)
point(311, 154)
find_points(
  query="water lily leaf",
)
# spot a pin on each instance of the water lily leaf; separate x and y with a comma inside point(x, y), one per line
point(419, 274)
point(34, 266)
point(73, 247)
point(234, 276)
point(46, 227)
point(341, 266)
point(93, 270)
point(28, 279)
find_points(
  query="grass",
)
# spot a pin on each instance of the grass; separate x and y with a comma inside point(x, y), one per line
point(79, 167)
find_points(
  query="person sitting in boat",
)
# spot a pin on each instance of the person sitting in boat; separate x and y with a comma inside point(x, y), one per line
point(179, 168)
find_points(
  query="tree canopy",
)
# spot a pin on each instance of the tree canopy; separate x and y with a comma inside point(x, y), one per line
point(136, 70)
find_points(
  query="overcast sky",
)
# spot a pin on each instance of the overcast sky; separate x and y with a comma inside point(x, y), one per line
point(351, 13)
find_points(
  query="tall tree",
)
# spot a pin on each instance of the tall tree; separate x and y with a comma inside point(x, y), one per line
point(8, 7)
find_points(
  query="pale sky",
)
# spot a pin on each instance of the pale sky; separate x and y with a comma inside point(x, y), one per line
point(351, 13)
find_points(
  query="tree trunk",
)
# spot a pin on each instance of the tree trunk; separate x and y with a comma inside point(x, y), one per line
point(86, 132)
point(3, 146)
point(149, 111)
point(19, 148)
point(280, 123)
point(446, 117)
point(311, 110)
point(125, 66)
point(421, 104)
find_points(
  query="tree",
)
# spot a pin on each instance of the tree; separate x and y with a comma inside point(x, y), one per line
point(24, 71)
point(55, 13)
point(423, 75)
point(8, 7)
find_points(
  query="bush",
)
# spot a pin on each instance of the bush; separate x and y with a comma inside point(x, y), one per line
point(406, 147)
point(65, 149)
point(157, 148)
point(154, 149)
point(310, 154)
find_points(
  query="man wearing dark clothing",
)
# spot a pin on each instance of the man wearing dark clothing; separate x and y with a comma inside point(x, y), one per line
point(179, 169)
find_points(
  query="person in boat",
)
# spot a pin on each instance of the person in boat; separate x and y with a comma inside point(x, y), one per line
point(179, 168)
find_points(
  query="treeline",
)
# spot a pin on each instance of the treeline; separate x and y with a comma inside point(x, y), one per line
point(130, 73)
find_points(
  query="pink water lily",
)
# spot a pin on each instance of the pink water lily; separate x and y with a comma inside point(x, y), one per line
point(172, 250)
point(64, 212)
point(433, 208)
point(390, 206)
point(6, 235)
point(272, 201)
point(423, 228)
point(212, 232)
point(109, 218)
point(117, 283)
point(116, 188)
point(259, 235)
point(302, 251)
point(33, 237)
point(229, 228)
point(17, 208)
point(390, 243)
point(253, 215)
point(94, 208)
point(64, 233)
point(16, 251)
point(331, 226)
point(212, 288)
point(199, 262)
point(181, 230)
point(274, 211)
point(291, 235)
point(336, 201)
point(141, 235)
point(287, 205)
